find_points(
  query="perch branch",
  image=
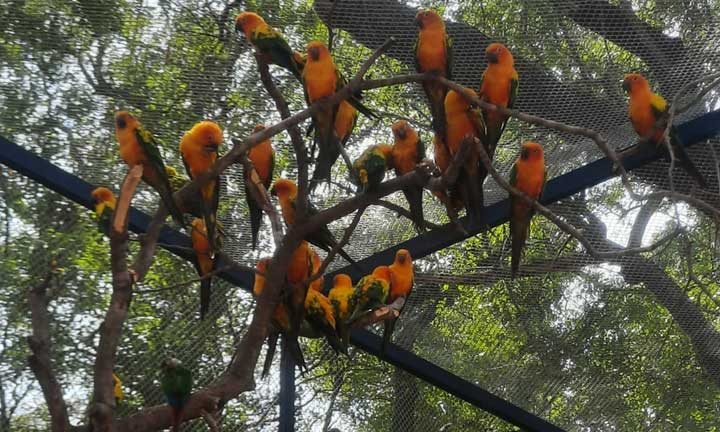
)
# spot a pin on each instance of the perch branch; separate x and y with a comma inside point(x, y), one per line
point(261, 195)
point(383, 313)
point(343, 241)
point(40, 361)
point(402, 211)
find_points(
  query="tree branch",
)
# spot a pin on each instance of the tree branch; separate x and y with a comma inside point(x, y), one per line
point(260, 194)
point(40, 361)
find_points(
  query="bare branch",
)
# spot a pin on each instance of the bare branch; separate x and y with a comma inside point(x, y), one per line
point(343, 241)
point(260, 194)
point(402, 211)
point(383, 313)
point(40, 361)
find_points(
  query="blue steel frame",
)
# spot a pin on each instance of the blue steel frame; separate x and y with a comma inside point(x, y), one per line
point(76, 189)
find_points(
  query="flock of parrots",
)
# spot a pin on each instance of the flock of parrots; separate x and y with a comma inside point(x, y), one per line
point(454, 118)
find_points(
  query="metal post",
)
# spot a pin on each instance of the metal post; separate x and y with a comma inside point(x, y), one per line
point(287, 389)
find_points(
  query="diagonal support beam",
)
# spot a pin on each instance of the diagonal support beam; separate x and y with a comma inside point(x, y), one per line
point(78, 190)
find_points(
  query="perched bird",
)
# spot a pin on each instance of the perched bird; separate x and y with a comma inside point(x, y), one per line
point(204, 262)
point(104, 207)
point(139, 147)
point(344, 302)
point(529, 175)
point(321, 78)
point(177, 182)
point(401, 271)
point(451, 197)
point(369, 169)
point(320, 314)
point(199, 149)
point(317, 284)
point(499, 86)
point(117, 389)
point(176, 384)
point(433, 53)
point(464, 121)
point(372, 291)
point(269, 43)
point(299, 271)
point(649, 113)
point(286, 192)
point(263, 158)
point(407, 152)
point(280, 322)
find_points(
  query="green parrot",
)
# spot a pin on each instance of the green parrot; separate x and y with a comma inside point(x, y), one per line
point(371, 291)
point(176, 384)
point(369, 169)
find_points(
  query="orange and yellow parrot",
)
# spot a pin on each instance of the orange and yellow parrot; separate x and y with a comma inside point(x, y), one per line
point(263, 158)
point(269, 43)
point(286, 191)
point(104, 207)
point(321, 78)
point(344, 302)
point(371, 291)
point(500, 87)
point(281, 322)
point(407, 152)
point(369, 169)
point(433, 53)
point(317, 284)
point(320, 314)
point(649, 114)
point(204, 262)
point(529, 175)
point(403, 278)
point(463, 121)
point(139, 147)
point(199, 149)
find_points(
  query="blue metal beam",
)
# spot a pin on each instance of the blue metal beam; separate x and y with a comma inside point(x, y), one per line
point(594, 173)
point(692, 132)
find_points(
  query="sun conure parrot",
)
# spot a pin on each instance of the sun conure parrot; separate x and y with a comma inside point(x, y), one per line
point(464, 120)
point(199, 149)
point(139, 147)
point(299, 270)
point(401, 271)
point(176, 384)
point(321, 78)
point(117, 389)
point(263, 158)
point(451, 197)
point(369, 169)
point(280, 322)
point(204, 262)
point(433, 53)
point(649, 113)
point(317, 284)
point(320, 314)
point(499, 86)
point(372, 291)
point(342, 297)
point(529, 175)
point(177, 182)
point(286, 191)
point(407, 152)
point(269, 42)
point(104, 207)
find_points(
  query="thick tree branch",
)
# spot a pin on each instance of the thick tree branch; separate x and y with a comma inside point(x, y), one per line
point(40, 361)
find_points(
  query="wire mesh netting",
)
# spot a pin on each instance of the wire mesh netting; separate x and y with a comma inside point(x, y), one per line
point(622, 343)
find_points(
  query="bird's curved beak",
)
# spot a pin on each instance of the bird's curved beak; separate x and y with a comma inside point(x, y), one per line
point(314, 53)
point(491, 57)
point(402, 258)
point(626, 85)
point(418, 22)
point(401, 133)
point(121, 122)
point(524, 153)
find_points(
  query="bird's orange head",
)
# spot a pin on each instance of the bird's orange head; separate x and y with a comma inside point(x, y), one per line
point(427, 18)
point(199, 225)
point(284, 188)
point(207, 134)
point(342, 280)
point(382, 272)
point(317, 51)
point(402, 130)
point(103, 195)
point(402, 256)
point(635, 82)
point(246, 22)
point(455, 102)
point(123, 119)
point(498, 53)
point(258, 128)
point(531, 151)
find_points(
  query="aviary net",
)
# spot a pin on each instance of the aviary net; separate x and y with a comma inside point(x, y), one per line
point(628, 342)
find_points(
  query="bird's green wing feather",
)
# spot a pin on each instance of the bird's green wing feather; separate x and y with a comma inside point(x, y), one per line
point(149, 145)
point(514, 84)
